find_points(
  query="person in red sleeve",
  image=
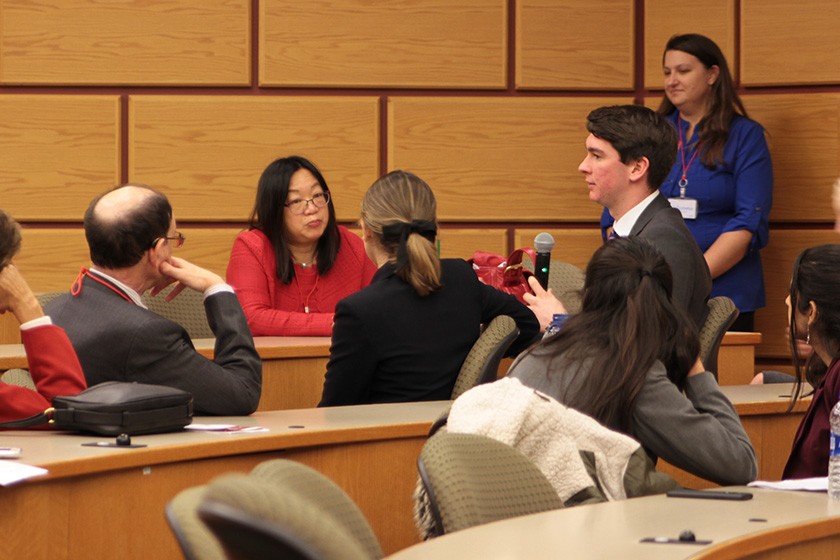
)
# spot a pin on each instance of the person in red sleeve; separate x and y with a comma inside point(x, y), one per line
point(53, 364)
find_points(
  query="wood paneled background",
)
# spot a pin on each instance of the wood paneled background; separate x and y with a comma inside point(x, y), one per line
point(485, 99)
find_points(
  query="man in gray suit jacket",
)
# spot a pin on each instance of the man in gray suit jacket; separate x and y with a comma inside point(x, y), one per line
point(131, 232)
point(630, 151)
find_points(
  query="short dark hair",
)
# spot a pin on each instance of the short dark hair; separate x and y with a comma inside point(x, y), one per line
point(10, 239)
point(636, 132)
point(122, 242)
point(268, 216)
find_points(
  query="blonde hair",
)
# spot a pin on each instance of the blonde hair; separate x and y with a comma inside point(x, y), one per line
point(399, 208)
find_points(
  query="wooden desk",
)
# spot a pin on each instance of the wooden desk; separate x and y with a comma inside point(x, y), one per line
point(798, 525)
point(109, 502)
point(736, 357)
point(762, 409)
point(293, 367)
point(92, 494)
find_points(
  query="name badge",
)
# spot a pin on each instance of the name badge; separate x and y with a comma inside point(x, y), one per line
point(686, 206)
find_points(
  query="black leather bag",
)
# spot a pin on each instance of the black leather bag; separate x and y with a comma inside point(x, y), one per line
point(113, 408)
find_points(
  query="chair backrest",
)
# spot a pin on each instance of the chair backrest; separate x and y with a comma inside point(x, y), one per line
point(482, 363)
point(302, 514)
point(472, 479)
point(566, 283)
point(195, 539)
point(247, 537)
point(18, 376)
point(47, 297)
point(187, 309)
point(722, 313)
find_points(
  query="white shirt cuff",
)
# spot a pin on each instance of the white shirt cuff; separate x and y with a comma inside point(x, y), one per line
point(217, 289)
point(39, 322)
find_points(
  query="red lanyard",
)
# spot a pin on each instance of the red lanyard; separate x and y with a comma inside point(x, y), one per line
point(681, 145)
point(76, 289)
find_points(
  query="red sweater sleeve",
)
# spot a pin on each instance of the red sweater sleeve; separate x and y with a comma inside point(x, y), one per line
point(54, 367)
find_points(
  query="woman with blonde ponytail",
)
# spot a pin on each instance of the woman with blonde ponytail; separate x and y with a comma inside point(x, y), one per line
point(404, 337)
point(629, 359)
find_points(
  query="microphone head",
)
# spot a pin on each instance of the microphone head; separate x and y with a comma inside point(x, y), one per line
point(544, 242)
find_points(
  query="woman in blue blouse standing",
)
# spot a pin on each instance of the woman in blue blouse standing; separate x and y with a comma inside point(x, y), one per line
point(722, 180)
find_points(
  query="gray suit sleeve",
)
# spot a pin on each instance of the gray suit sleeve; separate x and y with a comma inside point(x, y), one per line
point(680, 256)
point(163, 353)
point(699, 432)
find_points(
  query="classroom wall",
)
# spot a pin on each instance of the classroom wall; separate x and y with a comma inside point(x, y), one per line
point(485, 99)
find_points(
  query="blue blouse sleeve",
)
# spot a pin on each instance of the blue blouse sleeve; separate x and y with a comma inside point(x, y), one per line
point(752, 171)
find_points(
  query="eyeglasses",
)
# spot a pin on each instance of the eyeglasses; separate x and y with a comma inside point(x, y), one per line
point(300, 205)
point(178, 240)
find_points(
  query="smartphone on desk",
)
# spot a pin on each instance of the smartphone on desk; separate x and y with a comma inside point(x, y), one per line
point(709, 494)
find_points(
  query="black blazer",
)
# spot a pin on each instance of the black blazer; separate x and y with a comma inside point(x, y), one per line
point(391, 345)
point(664, 228)
point(117, 340)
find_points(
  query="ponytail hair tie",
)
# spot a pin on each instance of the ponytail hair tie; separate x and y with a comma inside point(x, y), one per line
point(398, 232)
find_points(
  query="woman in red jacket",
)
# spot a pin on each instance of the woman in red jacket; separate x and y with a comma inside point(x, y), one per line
point(53, 364)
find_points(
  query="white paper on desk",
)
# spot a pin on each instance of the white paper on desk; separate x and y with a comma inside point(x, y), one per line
point(13, 471)
point(226, 428)
point(818, 484)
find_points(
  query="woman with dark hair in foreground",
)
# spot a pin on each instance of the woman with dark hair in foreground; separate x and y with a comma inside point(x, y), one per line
point(629, 359)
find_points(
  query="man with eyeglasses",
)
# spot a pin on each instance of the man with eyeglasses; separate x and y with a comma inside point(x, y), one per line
point(131, 233)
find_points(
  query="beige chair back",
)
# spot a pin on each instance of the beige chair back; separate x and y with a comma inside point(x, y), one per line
point(482, 363)
point(722, 313)
point(187, 309)
point(472, 479)
point(282, 509)
point(18, 377)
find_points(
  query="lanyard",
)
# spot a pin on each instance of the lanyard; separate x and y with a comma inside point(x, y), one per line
point(76, 289)
point(309, 295)
point(683, 183)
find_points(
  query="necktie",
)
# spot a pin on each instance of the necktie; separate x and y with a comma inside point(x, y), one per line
point(612, 235)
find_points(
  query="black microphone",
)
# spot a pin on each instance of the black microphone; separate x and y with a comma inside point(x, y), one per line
point(543, 243)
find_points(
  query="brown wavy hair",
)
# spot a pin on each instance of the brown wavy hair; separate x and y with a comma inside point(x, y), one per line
point(713, 128)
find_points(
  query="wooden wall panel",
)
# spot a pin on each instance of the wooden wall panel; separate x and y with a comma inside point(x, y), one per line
point(114, 42)
point(50, 258)
point(789, 43)
point(207, 153)
point(664, 18)
point(56, 153)
point(573, 246)
point(462, 243)
point(496, 159)
point(208, 247)
point(558, 47)
point(805, 146)
point(404, 43)
point(778, 259)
